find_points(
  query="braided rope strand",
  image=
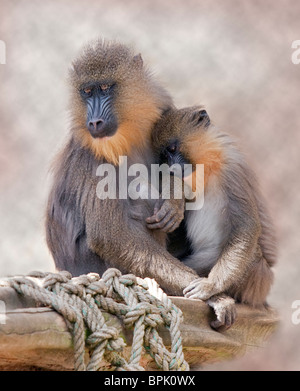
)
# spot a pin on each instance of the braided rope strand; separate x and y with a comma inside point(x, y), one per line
point(139, 303)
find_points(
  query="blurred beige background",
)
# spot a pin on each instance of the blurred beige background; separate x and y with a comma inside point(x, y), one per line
point(232, 56)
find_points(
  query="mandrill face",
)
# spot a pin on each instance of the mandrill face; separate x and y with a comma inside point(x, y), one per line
point(172, 134)
point(172, 155)
point(98, 98)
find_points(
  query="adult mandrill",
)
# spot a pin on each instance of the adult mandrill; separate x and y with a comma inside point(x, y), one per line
point(114, 104)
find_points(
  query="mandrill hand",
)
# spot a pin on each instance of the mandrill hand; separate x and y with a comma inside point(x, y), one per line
point(201, 288)
point(222, 305)
point(225, 311)
point(167, 216)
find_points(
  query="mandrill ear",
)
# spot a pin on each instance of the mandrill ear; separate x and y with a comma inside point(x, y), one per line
point(200, 117)
point(74, 69)
point(138, 61)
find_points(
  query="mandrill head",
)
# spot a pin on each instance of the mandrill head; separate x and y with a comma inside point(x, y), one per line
point(115, 101)
point(186, 136)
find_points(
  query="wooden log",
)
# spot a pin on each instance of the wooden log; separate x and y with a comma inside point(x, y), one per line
point(34, 338)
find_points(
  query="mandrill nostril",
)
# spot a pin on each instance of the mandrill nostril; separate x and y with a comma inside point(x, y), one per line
point(96, 125)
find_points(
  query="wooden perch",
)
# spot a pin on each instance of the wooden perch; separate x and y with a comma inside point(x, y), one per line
point(37, 338)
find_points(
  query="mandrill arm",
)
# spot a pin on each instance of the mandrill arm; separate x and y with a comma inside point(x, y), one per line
point(238, 257)
point(131, 247)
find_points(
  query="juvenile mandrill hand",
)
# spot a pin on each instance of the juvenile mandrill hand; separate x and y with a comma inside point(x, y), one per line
point(201, 288)
point(225, 311)
point(167, 215)
point(222, 305)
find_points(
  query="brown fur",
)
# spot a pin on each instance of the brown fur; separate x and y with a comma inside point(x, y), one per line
point(205, 150)
point(84, 233)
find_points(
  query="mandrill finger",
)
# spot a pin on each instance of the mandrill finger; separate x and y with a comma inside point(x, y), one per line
point(157, 216)
point(196, 296)
point(187, 290)
point(164, 211)
point(170, 226)
point(230, 316)
point(161, 223)
point(191, 293)
point(228, 319)
point(153, 219)
point(191, 286)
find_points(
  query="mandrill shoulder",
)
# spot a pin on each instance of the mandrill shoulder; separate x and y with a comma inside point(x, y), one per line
point(74, 174)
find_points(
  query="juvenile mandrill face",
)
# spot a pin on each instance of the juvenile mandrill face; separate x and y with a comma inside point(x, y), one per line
point(171, 154)
point(101, 121)
point(177, 134)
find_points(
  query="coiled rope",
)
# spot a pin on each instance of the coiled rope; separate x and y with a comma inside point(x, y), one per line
point(80, 301)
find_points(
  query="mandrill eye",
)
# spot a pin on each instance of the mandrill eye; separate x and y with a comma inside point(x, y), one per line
point(86, 92)
point(104, 87)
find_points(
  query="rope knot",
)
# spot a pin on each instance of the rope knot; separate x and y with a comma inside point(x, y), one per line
point(150, 313)
point(110, 335)
point(79, 284)
point(110, 274)
point(53, 278)
point(97, 288)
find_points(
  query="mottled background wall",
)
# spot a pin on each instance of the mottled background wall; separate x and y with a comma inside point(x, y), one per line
point(232, 56)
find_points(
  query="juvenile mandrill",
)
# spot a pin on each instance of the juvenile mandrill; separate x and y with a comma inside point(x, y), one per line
point(230, 239)
point(114, 105)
